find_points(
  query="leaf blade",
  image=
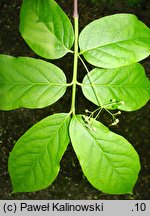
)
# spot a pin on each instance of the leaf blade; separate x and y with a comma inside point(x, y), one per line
point(46, 28)
point(30, 83)
point(115, 41)
point(34, 161)
point(108, 161)
point(128, 84)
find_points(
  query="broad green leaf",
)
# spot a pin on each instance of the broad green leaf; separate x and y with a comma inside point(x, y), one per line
point(115, 40)
point(46, 28)
point(128, 85)
point(30, 83)
point(109, 161)
point(34, 160)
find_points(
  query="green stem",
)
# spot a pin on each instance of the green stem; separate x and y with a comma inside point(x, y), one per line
point(75, 67)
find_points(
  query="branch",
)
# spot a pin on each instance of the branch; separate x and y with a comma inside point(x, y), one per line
point(75, 13)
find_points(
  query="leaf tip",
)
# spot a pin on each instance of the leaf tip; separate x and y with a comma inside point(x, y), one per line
point(13, 192)
point(131, 193)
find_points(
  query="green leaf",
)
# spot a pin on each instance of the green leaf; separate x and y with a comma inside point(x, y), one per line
point(30, 83)
point(109, 161)
point(115, 40)
point(46, 28)
point(128, 85)
point(34, 161)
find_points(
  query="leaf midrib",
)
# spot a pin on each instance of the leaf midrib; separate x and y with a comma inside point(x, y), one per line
point(119, 41)
point(32, 84)
point(51, 32)
point(116, 85)
point(104, 154)
point(45, 148)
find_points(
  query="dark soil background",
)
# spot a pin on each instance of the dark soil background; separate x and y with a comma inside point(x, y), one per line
point(134, 126)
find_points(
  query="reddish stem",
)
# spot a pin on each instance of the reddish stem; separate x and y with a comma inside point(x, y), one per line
point(75, 13)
